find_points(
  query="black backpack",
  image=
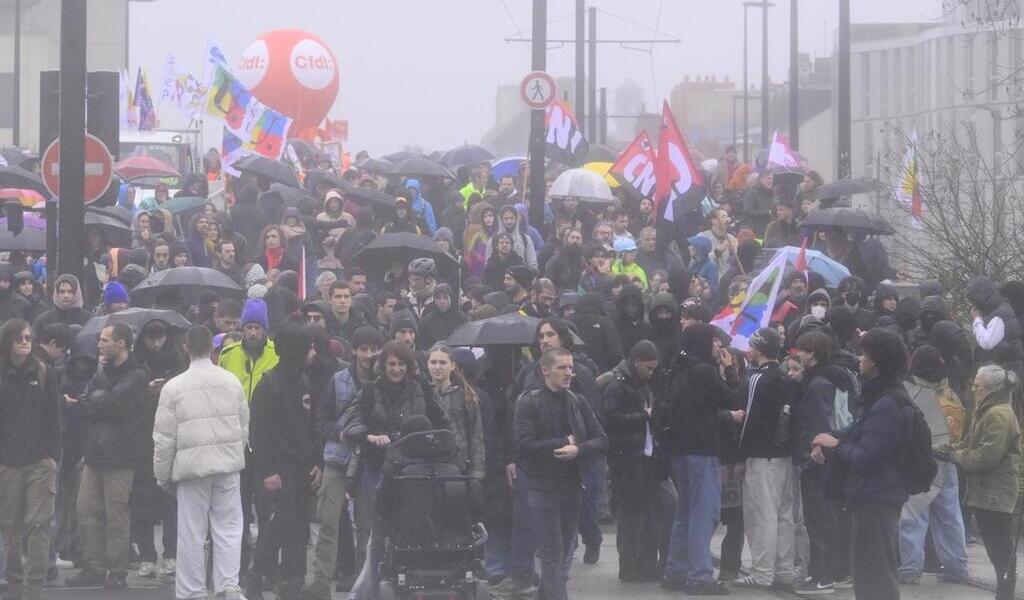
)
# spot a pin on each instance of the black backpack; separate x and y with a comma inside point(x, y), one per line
point(915, 461)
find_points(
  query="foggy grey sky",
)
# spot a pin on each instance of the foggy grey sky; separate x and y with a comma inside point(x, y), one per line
point(425, 72)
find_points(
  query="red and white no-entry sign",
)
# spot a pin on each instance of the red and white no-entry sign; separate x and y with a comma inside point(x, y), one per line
point(99, 168)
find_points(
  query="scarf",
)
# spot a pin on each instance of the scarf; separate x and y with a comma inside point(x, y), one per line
point(75, 302)
point(274, 257)
point(294, 231)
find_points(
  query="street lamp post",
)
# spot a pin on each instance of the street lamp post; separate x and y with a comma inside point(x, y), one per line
point(746, 85)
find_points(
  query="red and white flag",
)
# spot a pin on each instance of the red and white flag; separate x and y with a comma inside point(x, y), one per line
point(675, 171)
point(634, 168)
point(302, 275)
point(781, 154)
point(564, 139)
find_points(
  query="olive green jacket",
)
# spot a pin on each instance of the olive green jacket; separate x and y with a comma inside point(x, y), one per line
point(991, 455)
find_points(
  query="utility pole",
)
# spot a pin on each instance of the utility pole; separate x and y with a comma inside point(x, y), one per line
point(844, 168)
point(794, 76)
point(16, 106)
point(603, 126)
point(746, 88)
point(765, 108)
point(71, 217)
point(592, 85)
point(581, 54)
point(538, 63)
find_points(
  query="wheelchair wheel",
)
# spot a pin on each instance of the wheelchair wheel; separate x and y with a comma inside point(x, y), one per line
point(387, 591)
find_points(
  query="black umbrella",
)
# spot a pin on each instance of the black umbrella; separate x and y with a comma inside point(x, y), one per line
point(401, 155)
point(30, 239)
point(847, 187)
point(297, 198)
point(376, 165)
point(17, 156)
point(16, 177)
point(187, 281)
point(513, 329)
point(307, 152)
point(367, 195)
point(113, 221)
point(852, 220)
point(316, 177)
point(136, 318)
point(467, 154)
point(402, 248)
point(273, 170)
point(420, 166)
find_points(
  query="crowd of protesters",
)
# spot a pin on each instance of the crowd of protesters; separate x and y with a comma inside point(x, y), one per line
point(273, 411)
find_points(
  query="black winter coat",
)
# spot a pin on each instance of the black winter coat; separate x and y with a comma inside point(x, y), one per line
point(626, 422)
point(697, 406)
point(248, 219)
point(536, 437)
point(597, 331)
point(282, 434)
point(633, 330)
point(114, 403)
point(565, 268)
point(30, 418)
point(766, 395)
point(382, 406)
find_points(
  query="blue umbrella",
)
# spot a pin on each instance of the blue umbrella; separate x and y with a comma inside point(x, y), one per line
point(831, 270)
point(507, 167)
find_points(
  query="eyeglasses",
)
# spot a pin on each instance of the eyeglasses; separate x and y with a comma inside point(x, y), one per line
point(23, 338)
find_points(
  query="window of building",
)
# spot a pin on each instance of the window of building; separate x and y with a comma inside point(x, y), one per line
point(883, 82)
point(969, 66)
point(865, 78)
point(995, 70)
point(898, 83)
point(914, 78)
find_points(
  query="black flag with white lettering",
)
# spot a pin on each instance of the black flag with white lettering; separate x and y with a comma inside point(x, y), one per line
point(564, 139)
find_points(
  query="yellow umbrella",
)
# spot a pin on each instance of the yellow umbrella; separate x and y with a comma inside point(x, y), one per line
point(602, 168)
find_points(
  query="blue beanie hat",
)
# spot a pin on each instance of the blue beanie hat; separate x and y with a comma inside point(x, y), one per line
point(115, 292)
point(255, 311)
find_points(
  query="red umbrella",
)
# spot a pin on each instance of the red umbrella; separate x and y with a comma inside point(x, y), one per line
point(28, 198)
point(144, 166)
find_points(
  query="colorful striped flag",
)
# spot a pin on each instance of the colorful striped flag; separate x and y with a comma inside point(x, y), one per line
point(144, 102)
point(908, 186)
point(755, 310)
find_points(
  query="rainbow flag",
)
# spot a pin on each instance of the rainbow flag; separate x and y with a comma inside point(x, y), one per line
point(144, 102)
point(269, 133)
point(228, 99)
point(908, 187)
point(741, 319)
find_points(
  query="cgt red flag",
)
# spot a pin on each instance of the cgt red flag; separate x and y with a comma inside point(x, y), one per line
point(675, 171)
point(563, 137)
point(634, 168)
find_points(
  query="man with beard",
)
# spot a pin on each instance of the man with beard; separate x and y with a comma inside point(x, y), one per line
point(438, 325)
point(518, 280)
point(161, 255)
point(651, 260)
point(112, 403)
point(422, 281)
point(499, 261)
point(566, 266)
point(226, 260)
point(542, 297)
point(248, 360)
point(286, 457)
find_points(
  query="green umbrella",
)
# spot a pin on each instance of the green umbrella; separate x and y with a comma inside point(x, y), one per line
point(183, 204)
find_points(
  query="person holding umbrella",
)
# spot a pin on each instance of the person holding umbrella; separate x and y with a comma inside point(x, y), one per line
point(405, 220)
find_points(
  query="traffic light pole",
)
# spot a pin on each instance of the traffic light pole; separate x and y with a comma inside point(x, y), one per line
point(538, 63)
point(71, 228)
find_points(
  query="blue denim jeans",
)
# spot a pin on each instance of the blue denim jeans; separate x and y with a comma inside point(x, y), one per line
point(555, 515)
point(590, 513)
point(939, 509)
point(523, 546)
point(497, 550)
point(698, 508)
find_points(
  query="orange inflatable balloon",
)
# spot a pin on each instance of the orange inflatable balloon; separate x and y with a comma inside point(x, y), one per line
point(294, 72)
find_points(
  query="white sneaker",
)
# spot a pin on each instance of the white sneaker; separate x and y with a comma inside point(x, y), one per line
point(231, 592)
point(64, 564)
point(166, 567)
point(147, 569)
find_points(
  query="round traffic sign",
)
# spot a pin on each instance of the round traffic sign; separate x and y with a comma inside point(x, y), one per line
point(538, 90)
point(99, 168)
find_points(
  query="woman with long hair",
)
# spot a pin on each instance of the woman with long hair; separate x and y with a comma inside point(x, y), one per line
point(30, 445)
point(273, 250)
point(462, 406)
point(483, 223)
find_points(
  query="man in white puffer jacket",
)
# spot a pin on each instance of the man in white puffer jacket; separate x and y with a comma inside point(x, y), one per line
point(201, 428)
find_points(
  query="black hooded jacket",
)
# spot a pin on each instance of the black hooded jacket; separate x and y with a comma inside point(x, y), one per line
point(696, 407)
point(598, 332)
point(12, 304)
point(631, 330)
point(665, 333)
point(1008, 353)
point(436, 325)
point(248, 219)
point(565, 267)
point(115, 409)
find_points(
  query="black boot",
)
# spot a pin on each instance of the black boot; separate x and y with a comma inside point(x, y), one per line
point(290, 589)
point(254, 586)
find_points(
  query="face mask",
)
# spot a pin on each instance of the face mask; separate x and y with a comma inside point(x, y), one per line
point(852, 298)
point(818, 311)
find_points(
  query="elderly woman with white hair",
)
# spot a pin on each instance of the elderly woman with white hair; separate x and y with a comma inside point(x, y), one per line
point(990, 457)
